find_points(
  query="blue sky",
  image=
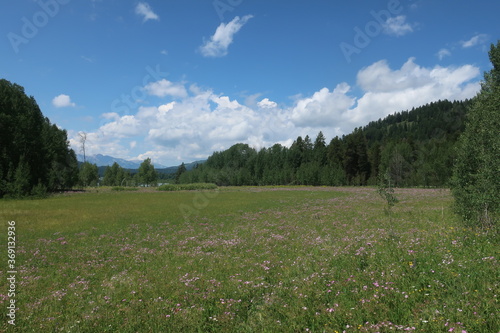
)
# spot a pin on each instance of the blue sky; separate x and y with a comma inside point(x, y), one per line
point(175, 80)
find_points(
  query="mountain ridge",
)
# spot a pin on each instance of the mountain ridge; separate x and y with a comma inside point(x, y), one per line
point(107, 160)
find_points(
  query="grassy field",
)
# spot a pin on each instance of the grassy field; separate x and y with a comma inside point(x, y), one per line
point(286, 259)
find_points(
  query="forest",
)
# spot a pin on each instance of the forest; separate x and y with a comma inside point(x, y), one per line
point(415, 147)
point(35, 157)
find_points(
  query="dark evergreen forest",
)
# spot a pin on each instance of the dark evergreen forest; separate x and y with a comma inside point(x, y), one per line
point(415, 147)
point(34, 154)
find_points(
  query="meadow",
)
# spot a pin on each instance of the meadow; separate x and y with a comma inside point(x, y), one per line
point(249, 259)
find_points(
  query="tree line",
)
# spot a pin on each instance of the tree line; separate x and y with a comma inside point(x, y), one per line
point(415, 147)
point(35, 156)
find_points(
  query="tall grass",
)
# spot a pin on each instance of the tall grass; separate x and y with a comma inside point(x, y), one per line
point(251, 260)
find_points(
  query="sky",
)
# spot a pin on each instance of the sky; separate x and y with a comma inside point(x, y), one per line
point(176, 80)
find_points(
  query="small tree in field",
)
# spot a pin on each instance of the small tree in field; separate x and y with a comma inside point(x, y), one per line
point(476, 174)
point(89, 174)
point(386, 191)
point(147, 174)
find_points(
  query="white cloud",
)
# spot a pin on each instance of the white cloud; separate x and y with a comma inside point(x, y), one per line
point(378, 77)
point(443, 53)
point(143, 9)
point(266, 104)
point(397, 26)
point(201, 122)
point(388, 91)
point(164, 87)
point(476, 40)
point(323, 108)
point(62, 101)
point(218, 44)
point(123, 127)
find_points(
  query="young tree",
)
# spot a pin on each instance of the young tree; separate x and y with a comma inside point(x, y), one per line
point(114, 175)
point(89, 174)
point(147, 174)
point(476, 176)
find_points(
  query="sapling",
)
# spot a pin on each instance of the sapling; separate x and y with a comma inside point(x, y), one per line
point(386, 191)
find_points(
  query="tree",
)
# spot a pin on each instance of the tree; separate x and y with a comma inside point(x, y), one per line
point(89, 174)
point(33, 152)
point(147, 174)
point(83, 140)
point(114, 175)
point(180, 170)
point(319, 149)
point(357, 166)
point(476, 173)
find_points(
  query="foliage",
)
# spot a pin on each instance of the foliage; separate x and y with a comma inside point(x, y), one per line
point(386, 191)
point(415, 146)
point(34, 153)
point(115, 175)
point(179, 172)
point(476, 181)
point(146, 174)
point(89, 175)
point(187, 187)
point(288, 259)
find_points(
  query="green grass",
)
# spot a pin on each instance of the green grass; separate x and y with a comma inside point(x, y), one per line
point(187, 187)
point(249, 259)
point(123, 188)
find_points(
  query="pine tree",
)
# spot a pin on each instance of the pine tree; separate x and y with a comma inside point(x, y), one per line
point(180, 170)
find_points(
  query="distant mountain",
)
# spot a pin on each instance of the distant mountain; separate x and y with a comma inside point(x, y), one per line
point(173, 169)
point(104, 160)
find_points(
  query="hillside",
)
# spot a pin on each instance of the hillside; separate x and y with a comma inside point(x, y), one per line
point(416, 148)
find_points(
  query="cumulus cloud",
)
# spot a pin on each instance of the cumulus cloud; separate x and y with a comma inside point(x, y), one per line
point(62, 101)
point(218, 44)
point(397, 26)
point(266, 104)
point(143, 9)
point(476, 40)
point(388, 91)
point(443, 53)
point(164, 87)
point(323, 108)
point(201, 122)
